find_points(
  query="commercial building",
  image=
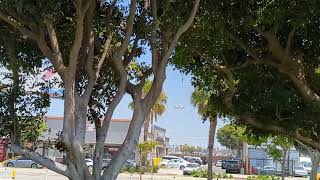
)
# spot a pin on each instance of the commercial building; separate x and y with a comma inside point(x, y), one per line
point(116, 135)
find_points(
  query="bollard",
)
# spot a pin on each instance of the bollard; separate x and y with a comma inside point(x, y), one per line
point(46, 173)
point(13, 174)
point(5, 173)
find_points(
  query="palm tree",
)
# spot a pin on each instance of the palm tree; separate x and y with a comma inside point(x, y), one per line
point(157, 110)
point(200, 99)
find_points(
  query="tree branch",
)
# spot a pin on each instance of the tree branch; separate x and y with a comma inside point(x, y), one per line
point(77, 42)
point(243, 45)
point(13, 22)
point(289, 41)
point(50, 164)
point(129, 27)
point(153, 40)
point(180, 31)
point(133, 52)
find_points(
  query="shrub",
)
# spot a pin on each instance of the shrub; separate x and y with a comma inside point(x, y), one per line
point(204, 174)
point(263, 177)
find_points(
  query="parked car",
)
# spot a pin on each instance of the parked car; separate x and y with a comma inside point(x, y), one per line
point(129, 163)
point(177, 163)
point(267, 170)
point(300, 171)
point(89, 163)
point(224, 164)
point(105, 163)
point(219, 163)
point(22, 162)
point(233, 166)
point(166, 159)
point(307, 167)
point(190, 168)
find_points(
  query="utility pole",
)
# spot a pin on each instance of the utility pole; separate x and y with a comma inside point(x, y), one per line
point(245, 159)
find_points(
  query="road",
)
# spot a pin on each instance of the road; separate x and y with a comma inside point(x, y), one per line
point(164, 174)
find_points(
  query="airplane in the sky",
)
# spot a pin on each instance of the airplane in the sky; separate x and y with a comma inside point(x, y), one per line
point(178, 106)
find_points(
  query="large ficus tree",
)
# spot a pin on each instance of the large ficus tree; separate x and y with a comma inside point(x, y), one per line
point(260, 60)
point(89, 44)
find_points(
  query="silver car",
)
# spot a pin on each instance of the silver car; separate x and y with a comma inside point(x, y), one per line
point(22, 162)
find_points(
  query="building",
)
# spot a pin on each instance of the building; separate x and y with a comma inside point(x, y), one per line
point(116, 135)
point(159, 135)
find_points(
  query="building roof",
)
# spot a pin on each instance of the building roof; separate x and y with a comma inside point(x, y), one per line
point(48, 118)
point(159, 128)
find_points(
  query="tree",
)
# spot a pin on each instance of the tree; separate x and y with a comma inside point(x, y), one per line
point(314, 155)
point(157, 110)
point(189, 149)
point(199, 99)
point(259, 60)
point(144, 149)
point(90, 44)
point(231, 136)
point(278, 148)
point(22, 105)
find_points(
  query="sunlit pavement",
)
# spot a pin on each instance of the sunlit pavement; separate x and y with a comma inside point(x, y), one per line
point(164, 174)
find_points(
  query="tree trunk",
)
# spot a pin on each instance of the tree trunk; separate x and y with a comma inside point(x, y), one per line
point(283, 174)
point(128, 145)
point(315, 160)
point(212, 131)
point(146, 128)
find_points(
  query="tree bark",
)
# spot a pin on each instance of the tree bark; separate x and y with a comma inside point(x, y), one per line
point(212, 131)
point(128, 145)
point(283, 174)
point(146, 128)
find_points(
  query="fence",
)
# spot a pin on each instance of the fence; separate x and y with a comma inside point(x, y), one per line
point(260, 164)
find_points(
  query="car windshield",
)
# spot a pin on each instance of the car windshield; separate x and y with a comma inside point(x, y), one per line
point(232, 162)
point(192, 165)
point(298, 168)
point(307, 165)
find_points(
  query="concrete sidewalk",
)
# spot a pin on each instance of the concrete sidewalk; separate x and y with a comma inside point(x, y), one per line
point(44, 174)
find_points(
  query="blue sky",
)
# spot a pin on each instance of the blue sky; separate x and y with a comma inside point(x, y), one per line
point(184, 126)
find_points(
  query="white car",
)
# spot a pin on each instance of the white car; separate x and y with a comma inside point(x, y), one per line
point(219, 163)
point(89, 164)
point(300, 171)
point(307, 167)
point(177, 163)
point(166, 159)
point(190, 168)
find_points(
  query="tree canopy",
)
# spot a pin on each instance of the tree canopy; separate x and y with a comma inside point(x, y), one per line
point(259, 60)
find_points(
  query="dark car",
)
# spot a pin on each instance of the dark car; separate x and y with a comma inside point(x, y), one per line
point(233, 166)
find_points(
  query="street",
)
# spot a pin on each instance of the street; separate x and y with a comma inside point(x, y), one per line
point(163, 174)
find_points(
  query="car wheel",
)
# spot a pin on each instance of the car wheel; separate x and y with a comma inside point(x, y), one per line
point(10, 164)
point(182, 167)
point(90, 168)
point(163, 166)
point(227, 171)
point(34, 165)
